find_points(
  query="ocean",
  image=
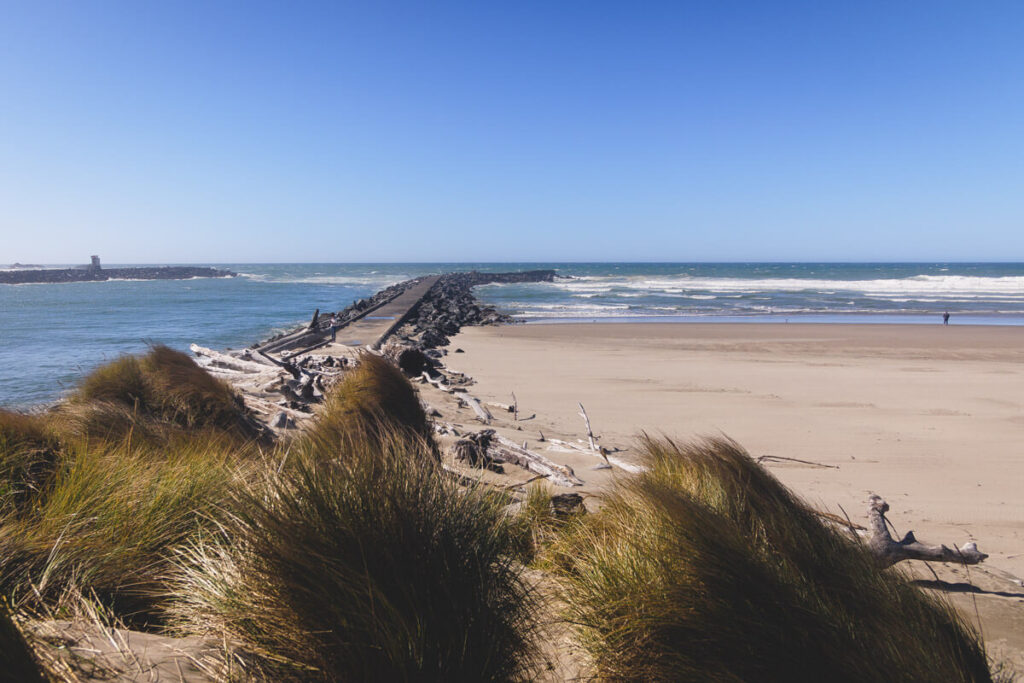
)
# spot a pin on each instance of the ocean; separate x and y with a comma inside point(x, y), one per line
point(52, 334)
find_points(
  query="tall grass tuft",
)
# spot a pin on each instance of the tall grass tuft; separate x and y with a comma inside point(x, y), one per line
point(29, 452)
point(373, 405)
point(363, 567)
point(163, 386)
point(706, 568)
point(108, 521)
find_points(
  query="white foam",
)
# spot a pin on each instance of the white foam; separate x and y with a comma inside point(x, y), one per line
point(933, 285)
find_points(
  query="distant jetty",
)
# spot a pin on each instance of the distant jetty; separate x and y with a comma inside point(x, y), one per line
point(96, 273)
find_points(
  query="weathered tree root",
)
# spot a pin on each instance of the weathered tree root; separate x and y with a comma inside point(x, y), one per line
point(888, 552)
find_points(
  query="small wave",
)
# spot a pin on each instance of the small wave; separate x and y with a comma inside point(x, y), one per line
point(936, 285)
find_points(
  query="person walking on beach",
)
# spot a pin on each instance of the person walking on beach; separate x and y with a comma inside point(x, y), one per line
point(335, 324)
point(945, 318)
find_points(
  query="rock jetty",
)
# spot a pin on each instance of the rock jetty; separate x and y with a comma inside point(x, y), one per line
point(450, 305)
point(94, 273)
point(446, 308)
point(281, 378)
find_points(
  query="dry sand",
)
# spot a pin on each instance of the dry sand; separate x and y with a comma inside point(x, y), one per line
point(929, 417)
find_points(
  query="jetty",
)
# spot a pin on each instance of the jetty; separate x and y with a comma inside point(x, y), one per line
point(282, 378)
point(94, 272)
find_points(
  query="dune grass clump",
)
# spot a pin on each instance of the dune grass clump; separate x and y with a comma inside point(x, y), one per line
point(371, 566)
point(706, 568)
point(29, 452)
point(537, 523)
point(374, 404)
point(108, 520)
point(165, 387)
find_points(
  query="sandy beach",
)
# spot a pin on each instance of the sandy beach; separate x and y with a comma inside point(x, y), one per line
point(929, 417)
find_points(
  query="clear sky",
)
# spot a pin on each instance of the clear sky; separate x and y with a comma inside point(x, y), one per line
point(437, 131)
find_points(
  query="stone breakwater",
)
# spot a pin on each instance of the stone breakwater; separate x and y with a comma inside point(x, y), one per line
point(59, 275)
point(448, 306)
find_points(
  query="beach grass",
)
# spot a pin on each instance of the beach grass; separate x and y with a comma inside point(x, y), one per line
point(706, 568)
point(96, 492)
point(29, 452)
point(373, 405)
point(368, 566)
point(165, 388)
point(357, 558)
point(108, 519)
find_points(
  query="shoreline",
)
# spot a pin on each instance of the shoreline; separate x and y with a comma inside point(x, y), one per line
point(961, 319)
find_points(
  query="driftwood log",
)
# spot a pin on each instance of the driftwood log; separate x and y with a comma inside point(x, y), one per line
point(482, 413)
point(487, 448)
point(590, 432)
point(888, 551)
point(506, 450)
point(603, 454)
point(231, 363)
point(290, 367)
point(475, 450)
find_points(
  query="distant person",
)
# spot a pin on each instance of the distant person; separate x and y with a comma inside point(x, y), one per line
point(335, 324)
point(945, 318)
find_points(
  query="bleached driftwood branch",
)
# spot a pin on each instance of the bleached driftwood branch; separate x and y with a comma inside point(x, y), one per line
point(888, 552)
point(604, 455)
point(482, 413)
point(510, 451)
point(590, 433)
point(437, 383)
point(230, 363)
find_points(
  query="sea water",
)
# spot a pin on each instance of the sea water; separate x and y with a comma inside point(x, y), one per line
point(52, 334)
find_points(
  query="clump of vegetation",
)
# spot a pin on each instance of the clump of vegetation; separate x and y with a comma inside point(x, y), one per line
point(706, 568)
point(363, 568)
point(165, 387)
point(29, 452)
point(108, 520)
point(538, 523)
point(95, 494)
point(373, 405)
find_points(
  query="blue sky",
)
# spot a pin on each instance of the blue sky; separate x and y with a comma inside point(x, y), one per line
point(392, 131)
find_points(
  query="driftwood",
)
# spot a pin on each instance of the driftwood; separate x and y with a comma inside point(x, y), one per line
point(509, 451)
point(888, 552)
point(604, 454)
point(482, 413)
point(311, 347)
point(475, 449)
point(315, 321)
point(780, 458)
point(590, 433)
point(437, 383)
point(292, 368)
point(268, 408)
point(231, 363)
